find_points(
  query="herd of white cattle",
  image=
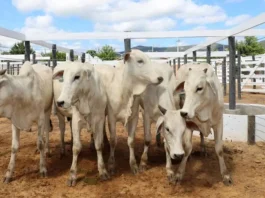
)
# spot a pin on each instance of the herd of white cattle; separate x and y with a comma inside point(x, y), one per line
point(91, 95)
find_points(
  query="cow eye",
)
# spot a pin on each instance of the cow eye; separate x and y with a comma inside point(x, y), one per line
point(199, 89)
point(167, 129)
point(140, 61)
point(76, 77)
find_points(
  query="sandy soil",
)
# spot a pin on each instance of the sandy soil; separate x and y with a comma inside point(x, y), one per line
point(202, 179)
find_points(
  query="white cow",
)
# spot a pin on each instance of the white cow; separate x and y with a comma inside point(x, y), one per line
point(203, 110)
point(113, 90)
point(62, 112)
point(25, 99)
point(154, 95)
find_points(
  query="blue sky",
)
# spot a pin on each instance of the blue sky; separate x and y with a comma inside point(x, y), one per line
point(59, 16)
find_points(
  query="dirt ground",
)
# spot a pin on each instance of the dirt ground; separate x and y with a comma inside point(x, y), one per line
point(202, 179)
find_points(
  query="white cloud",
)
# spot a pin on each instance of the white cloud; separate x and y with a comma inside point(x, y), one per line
point(123, 14)
point(236, 20)
point(233, 1)
point(201, 27)
point(142, 25)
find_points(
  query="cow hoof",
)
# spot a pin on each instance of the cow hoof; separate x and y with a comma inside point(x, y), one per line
point(227, 180)
point(111, 169)
point(134, 169)
point(142, 167)
point(171, 179)
point(71, 182)
point(104, 176)
point(43, 173)
point(7, 180)
point(179, 177)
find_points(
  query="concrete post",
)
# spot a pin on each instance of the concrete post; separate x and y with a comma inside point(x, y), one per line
point(208, 58)
point(251, 129)
point(27, 50)
point(54, 59)
point(232, 61)
point(72, 56)
point(194, 58)
point(83, 58)
point(178, 63)
point(185, 59)
point(127, 45)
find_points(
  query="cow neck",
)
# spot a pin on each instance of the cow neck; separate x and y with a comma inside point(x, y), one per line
point(127, 95)
point(20, 86)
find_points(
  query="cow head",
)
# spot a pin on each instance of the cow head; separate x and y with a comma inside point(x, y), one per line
point(140, 70)
point(199, 89)
point(73, 76)
point(172, 126)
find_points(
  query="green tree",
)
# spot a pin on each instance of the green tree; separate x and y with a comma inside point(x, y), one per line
point(107, 53)
point(92, 52)
point(250, 46)
point(60, 56)
point(19, 48)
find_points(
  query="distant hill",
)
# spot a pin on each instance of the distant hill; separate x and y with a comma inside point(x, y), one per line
point(215, 47)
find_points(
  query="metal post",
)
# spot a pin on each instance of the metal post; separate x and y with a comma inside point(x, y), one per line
point(27, 51)
point(254, 79)
point(194, 58)
point(185, 59)
point(71, 55)
point(54, 60)
point(178, 63)
point(251, 129)
point(170, 62)
point(174, 66)
point(34, 58)
point(8, 67)
point(49, 63)
point(239, 75)
point(127, 45)
point(209, 54)
point(83, 58)
point(232, 64)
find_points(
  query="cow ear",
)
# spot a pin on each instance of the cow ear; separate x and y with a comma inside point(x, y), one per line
point(180, 86)
point(162, 110)
point(58, 75)
point(127, 57)
point(2, 72)
point(210, 79)
point(159, 125)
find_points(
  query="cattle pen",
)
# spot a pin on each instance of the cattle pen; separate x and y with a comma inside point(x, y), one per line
point(244, 127)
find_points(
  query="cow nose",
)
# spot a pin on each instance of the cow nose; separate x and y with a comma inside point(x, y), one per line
point(176, 156)
point(60, 103)
point(160, 79)
point(183, 114)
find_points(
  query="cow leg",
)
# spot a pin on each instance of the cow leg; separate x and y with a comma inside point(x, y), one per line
point(187, 148)
point(14, 149)
point(62, 131)
point(132, 124)
point(71, 129)
point(170, 172)
point(77, 146)
point(113, 142)
point(203, 147)
point(41, 145)
point(48, 129)
point(218, 137)
point(147, 140)
point(98, 138)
